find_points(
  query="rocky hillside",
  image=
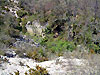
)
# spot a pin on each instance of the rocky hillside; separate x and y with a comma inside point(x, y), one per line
point(49, 37)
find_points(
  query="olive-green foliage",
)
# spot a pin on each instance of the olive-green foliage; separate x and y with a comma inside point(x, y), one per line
point(3, 2)
point(43, 20)
point(48, 30)
point(57, 45)
point(37, 54)
point(43, 41)
point(7, 41)
point(9, 29)
point(37, 38)
point(32, 17)
point(13, 32)
point(21, 13)
point(24, 30)
point(94, 47)
point(11, 25)
point(3, 8)
point(18, 20)
point(1, 20)
point(38, 71)
point(2, 52)
point(16, 73)
point(29, 18)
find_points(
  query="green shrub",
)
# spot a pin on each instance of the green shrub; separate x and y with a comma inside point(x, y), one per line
point(18, 20)
point(21, 13)
point(48, 30)
point(93, 47)
point(43, 41)
point(3, 2)
point(37, 54)
point(24, 30)
point(5, 9)
point(59, 45)
point(37, 38)
point(32, 17)
point(29, 18)
point(43, 20)
point(13, 32)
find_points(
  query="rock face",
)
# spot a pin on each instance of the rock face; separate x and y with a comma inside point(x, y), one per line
point(15, 1)
point(59, 66)
point(35, 28)
point(10, 54)
point(14, 9)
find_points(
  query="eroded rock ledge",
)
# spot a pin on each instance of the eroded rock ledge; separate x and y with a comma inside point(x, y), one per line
point(59, 66)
